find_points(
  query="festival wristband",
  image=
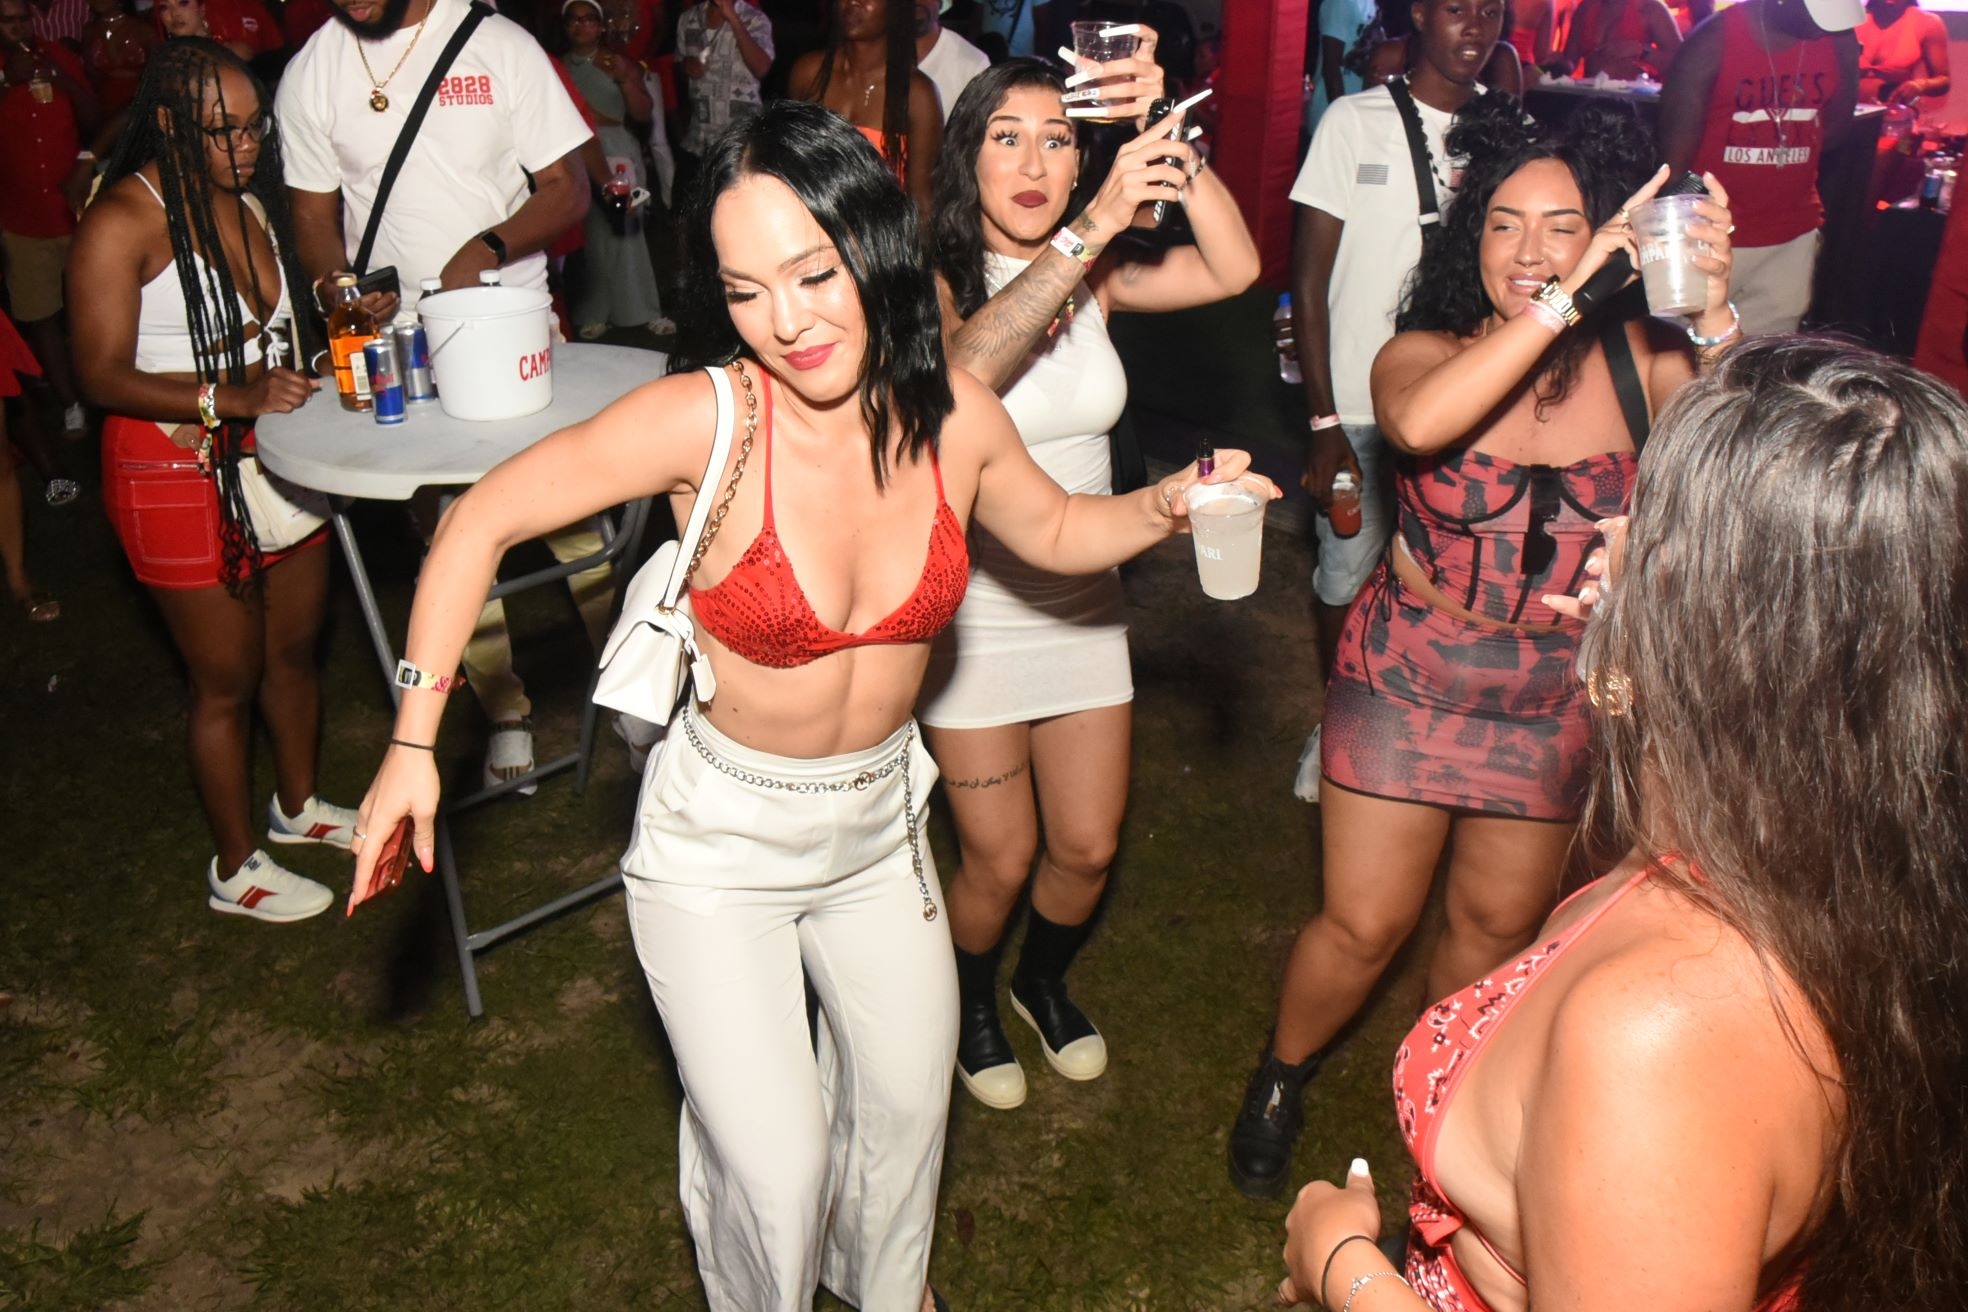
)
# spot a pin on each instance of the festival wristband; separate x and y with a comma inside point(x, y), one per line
point(1068, 243)
point(1546, 317)
point(1324, 422)
point(208, 405)
point(409, 676)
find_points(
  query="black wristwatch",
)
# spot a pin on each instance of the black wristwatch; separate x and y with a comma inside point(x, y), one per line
point(495, 243)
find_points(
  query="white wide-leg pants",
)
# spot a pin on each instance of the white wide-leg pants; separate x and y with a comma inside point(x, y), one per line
point(798, 1168)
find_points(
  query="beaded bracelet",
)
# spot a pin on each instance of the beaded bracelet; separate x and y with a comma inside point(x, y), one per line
point(1706, 343)
point(1323, 422)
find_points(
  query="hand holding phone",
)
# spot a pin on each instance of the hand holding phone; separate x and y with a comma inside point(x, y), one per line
point(391, 861)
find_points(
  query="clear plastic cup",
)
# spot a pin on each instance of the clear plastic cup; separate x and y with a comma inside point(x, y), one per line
point(1226, 521)
point(1100, 43)
point(1664, 230)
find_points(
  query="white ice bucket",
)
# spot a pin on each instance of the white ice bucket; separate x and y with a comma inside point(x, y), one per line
point(490, 351)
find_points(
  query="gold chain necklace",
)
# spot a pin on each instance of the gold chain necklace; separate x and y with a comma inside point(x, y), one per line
point(377, 100)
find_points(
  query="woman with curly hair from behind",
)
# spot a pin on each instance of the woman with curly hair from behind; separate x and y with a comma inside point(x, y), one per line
point(1454, 721)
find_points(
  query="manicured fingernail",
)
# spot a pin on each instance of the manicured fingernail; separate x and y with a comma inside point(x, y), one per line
point(1076, 80)
point(1359, 1166)
point(1550, 599)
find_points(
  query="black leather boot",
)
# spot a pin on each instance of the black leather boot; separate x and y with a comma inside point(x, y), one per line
point(986, 1065)
point(1073, 1047)
point(1267, 1128)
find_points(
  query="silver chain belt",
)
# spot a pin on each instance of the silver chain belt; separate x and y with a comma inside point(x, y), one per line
point(859, 783)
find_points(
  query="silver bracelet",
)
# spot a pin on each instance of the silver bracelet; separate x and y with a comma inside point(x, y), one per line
point(1360, 1283)
point(1705, 343)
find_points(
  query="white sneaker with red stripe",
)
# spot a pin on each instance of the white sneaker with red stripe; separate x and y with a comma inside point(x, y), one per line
point(266, 890)
point(318, 822)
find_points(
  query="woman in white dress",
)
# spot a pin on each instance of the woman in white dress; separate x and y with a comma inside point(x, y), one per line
point(1026, 707)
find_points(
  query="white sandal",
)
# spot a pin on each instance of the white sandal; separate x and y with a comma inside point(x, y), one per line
point(509, 754)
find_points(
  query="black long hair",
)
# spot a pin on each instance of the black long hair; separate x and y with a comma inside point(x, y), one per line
point(1791, 621)
point(897, 77)
point(956, 225)
point(166, 127)
point(1608, 153)
point(905, 383)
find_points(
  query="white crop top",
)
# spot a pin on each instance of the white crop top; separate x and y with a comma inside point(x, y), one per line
point(164, 321)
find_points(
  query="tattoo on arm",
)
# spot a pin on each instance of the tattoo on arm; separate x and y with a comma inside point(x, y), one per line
point(992, 781)
point(1006, 327)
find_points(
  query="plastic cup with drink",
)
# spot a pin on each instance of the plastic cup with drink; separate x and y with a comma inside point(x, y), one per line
point(1099, 43)
point(1344, 510)
point(1664, 230)
point(1226, 521)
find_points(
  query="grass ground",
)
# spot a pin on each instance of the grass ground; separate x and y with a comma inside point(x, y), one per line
point(199, 1112)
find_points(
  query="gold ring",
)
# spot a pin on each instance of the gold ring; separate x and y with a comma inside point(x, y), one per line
point(360, 835)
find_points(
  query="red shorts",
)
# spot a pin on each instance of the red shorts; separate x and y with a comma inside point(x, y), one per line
point(165, 508)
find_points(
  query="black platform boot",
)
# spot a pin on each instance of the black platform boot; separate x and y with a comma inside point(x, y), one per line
point(1267, 1128)
point(986, 1065)
point(1073, 1047)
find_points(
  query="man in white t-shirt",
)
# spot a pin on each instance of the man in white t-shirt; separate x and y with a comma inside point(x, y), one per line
point(461, 204)
point(1358, 238)
point(944, 57)
point(460, 207)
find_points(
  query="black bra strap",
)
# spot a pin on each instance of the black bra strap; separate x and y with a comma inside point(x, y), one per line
point(1626, 379)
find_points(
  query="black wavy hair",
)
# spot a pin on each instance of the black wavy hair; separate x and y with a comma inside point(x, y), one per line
point(1792, 623)
point(166, 127)
point(896, 77)
point(1608, 153)
point(956, 226)
point(835, 172)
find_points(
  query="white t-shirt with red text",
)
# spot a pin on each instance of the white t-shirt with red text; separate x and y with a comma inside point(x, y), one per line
point(500, 113)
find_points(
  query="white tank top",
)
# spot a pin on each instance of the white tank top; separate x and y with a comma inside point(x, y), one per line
point(164, 343)
point(1065, 397)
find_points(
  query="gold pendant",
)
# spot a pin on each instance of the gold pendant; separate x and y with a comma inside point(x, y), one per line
point(929, 911)
point(378, 101)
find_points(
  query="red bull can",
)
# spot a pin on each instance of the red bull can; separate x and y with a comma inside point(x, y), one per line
point(413, 358)
point(385, 380)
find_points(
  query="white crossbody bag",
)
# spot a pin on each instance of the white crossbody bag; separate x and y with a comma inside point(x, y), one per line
point(653, 647)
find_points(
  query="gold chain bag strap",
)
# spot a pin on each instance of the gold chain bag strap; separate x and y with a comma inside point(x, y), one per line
point(652, 650)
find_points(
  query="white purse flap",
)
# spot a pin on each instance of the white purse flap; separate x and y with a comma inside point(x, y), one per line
point(651, 605)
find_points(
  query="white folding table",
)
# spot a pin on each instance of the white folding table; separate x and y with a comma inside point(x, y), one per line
point(352, 458)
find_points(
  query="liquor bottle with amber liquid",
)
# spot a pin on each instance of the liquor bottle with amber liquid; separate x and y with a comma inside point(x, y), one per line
point(350, 327)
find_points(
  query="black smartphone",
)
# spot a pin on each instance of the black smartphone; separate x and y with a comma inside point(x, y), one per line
point(1688, 184)
point(1157, 111)
point(379, 280)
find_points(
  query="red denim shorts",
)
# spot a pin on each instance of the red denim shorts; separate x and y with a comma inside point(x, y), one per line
point(165, 508)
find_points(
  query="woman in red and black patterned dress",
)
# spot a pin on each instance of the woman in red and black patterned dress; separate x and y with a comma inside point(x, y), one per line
point(1454, 721)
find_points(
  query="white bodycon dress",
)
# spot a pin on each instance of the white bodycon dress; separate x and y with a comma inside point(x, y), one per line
point(1027, 644)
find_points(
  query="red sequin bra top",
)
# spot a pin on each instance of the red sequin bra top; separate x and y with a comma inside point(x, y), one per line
point(1428, 1071)
point(759, 610)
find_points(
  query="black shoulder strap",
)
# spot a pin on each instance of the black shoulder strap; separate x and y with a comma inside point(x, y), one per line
point(1626, 379)
point(1431, 210)
point(406, 138)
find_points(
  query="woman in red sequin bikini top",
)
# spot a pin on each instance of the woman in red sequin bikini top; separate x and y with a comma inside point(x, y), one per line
point(759, 611)
point(779, 831)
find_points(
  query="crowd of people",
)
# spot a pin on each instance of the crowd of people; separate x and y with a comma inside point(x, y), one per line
point(1662, 611)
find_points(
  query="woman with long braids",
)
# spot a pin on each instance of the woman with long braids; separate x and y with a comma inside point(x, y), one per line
point(867, 74)
point(1028, 704)
point(1729, 1075)
point(1454, 720)
point(189, 270)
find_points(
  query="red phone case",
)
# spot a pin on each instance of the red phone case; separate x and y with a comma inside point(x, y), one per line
point(390, 865)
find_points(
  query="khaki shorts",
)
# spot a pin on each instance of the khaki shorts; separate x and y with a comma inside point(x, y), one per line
point(34, 275)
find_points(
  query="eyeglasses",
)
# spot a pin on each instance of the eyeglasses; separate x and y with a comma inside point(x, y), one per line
point(236, 136)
